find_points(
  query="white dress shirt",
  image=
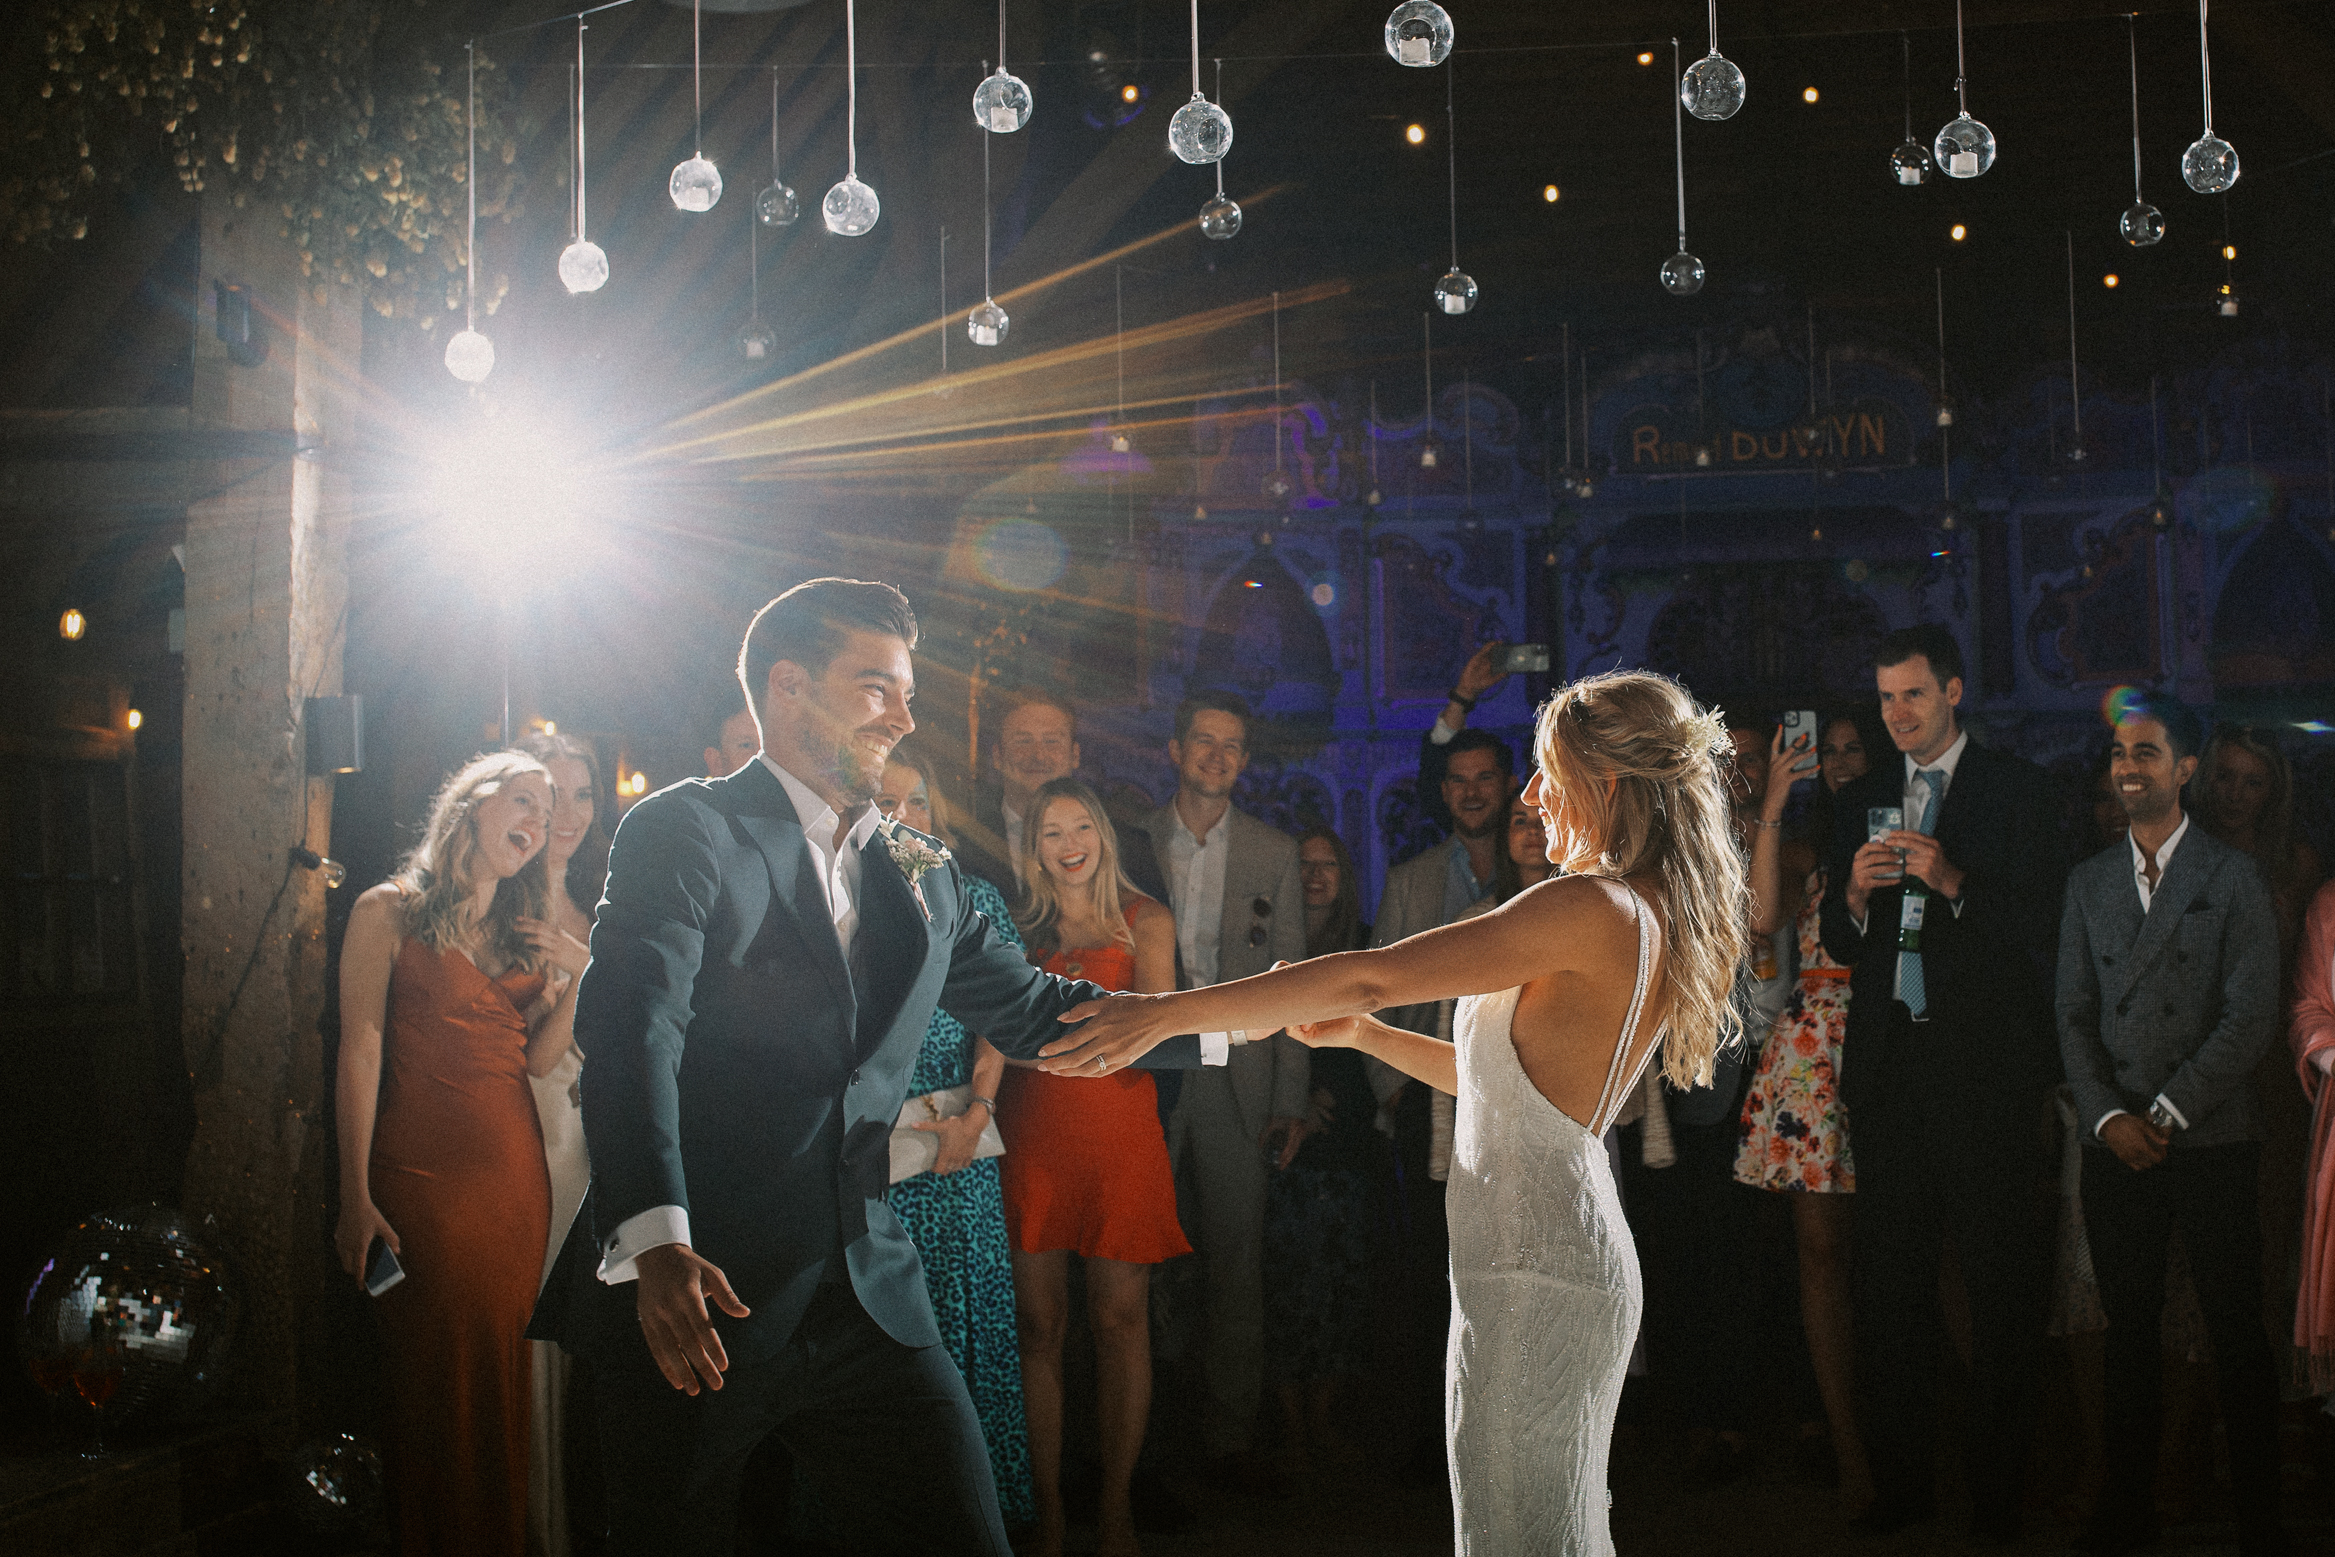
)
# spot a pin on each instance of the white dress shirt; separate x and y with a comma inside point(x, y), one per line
point(1013, 835)
point(1913, 800)
point(1196, 882)
point(2148, 894)
point(838, 878)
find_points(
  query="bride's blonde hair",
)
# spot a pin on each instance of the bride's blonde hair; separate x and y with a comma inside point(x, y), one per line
point(1641, 769)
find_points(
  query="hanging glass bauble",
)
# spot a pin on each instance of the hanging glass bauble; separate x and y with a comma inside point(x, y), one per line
point(1429, 455)
point(758, 342)
point(1587, 488)
point(1712, 87)
point(695, 185)
point(2142, 224)
point(1277, 487)
point(1120, 442)
point(1220, 217)
point(470, 357)
point(1910, 163)
point(1964, 148)
point(1001, 103)
point(583, 267)
point(1455, 291)
point(1418, 32)
point(986, 323)
point(2225, 303)
point(2210, 165)
point(778, 206)
point(1682, 274)
point(1200, 132)
point(851, 208)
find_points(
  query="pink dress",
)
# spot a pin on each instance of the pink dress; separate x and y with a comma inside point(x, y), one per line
point(1795, 1128)
point(2312, 1035)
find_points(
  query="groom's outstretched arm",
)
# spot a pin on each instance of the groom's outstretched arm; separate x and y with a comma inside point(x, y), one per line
point(995, 992)
point(633, 1007)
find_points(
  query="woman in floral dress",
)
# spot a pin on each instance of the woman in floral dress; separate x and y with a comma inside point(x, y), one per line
point(955, 1213)
point(1795, 1130)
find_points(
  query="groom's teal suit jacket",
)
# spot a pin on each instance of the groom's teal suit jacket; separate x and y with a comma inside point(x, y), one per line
point(737, 1067)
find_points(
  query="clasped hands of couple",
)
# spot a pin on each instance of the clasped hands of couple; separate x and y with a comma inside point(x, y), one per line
point(677, 1284)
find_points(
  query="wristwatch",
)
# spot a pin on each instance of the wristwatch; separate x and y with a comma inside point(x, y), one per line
point(2162, 1117)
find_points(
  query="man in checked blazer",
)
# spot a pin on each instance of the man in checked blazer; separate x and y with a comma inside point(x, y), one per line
point(1239, 909)
point(2168, 992)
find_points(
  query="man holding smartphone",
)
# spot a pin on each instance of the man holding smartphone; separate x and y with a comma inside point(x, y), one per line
point(1950, 920)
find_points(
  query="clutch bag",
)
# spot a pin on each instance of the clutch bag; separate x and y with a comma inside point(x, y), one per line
point(914, 1151)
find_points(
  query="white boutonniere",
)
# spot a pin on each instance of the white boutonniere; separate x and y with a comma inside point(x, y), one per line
point(915, 854)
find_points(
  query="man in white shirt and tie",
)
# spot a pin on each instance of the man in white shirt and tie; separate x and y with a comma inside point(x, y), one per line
point(2168, 998)
point(1949, 921)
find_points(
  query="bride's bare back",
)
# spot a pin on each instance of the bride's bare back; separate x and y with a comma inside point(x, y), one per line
point(1568, 1021)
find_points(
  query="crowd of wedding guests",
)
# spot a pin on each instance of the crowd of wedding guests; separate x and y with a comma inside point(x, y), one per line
point(2004, 1089)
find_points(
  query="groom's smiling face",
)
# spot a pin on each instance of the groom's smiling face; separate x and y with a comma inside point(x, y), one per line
point(845, 720)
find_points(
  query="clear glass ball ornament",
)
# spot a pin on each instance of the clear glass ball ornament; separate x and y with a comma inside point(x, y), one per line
point(1418, 32)
point(1429, 455)
point(778, 206)
point(1277, 487)
point(851, 208)
point(1712, 87)
point(758, 342)
point(1910, 163)
point(2141, 224)
point(583, 266)
point(986, 324)
point(2210, 165)
point(1200, 132)
point(1682, 274)
point(1001, 103)
point(1120, 442)
point(470, 357)
point(1220, 218)
point(695, 185)
point(1964, 148)
point(1587, 488)
point(1455, 291)
point(2225, 301)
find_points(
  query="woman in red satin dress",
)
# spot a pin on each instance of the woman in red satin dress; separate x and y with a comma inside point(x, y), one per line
point(446, 1010)
point(1086, 1165)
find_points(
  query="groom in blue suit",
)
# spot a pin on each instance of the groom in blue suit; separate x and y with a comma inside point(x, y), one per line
point(764, 966)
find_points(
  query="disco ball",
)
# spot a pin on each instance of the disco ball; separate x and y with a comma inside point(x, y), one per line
point(337, 1487)
point(140, 1279)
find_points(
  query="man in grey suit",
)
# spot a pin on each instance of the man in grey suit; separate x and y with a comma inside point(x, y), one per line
point(2168, 985)
point(1239, 909)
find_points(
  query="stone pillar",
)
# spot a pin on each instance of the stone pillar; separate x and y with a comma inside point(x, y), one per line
point(266, 596)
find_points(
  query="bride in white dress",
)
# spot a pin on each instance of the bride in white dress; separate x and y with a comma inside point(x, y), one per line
point(1571, 987)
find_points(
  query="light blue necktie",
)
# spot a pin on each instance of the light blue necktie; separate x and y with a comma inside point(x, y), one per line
point(1909, 964)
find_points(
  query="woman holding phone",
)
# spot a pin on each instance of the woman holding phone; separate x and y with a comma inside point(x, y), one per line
point(1795, 1130)
point(447, 1008)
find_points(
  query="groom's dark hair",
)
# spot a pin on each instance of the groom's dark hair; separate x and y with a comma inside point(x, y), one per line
point(807, 625)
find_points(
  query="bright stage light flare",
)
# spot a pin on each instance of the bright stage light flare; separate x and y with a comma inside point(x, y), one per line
point(511, 502)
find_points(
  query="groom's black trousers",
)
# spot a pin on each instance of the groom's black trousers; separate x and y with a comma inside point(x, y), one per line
point(886, 1431)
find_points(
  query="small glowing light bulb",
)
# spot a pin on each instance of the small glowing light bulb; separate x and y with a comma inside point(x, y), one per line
point(1129, 92)
point(1416, 134)
point(1808, 95)
point(72, 625)
point(1550, 192)
point(2109, 281)
point(1646, 56)
point(136, 719)
point(1959, 232)
point(2229, 251)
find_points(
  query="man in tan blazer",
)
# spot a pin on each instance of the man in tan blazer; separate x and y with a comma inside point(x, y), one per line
point(1239, 909)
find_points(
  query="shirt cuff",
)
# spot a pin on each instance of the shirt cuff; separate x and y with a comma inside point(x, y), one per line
point(2323, 1061)
point(2166, 1104)
point(2104, 1118)
point(1859, 923)
point(636, 1236)
point(1956, 905)
point(1441, 734)
point(1215, 1048)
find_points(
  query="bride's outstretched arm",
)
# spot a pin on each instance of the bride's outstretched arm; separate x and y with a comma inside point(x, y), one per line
point(1532, 935)
point(1416, 1055)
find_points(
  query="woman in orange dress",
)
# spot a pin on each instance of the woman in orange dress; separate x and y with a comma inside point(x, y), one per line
point(1086, 1165)
point(446, 1011)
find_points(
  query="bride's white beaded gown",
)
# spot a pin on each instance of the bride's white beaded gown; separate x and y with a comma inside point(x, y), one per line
point(1545, 1293)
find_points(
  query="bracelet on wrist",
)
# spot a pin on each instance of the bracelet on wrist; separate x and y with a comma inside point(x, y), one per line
point(1761, 821)
point(989, 1103)
point(1467, 704)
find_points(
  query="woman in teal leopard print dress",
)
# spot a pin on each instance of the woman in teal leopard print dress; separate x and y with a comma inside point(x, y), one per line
point(957, 1218)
